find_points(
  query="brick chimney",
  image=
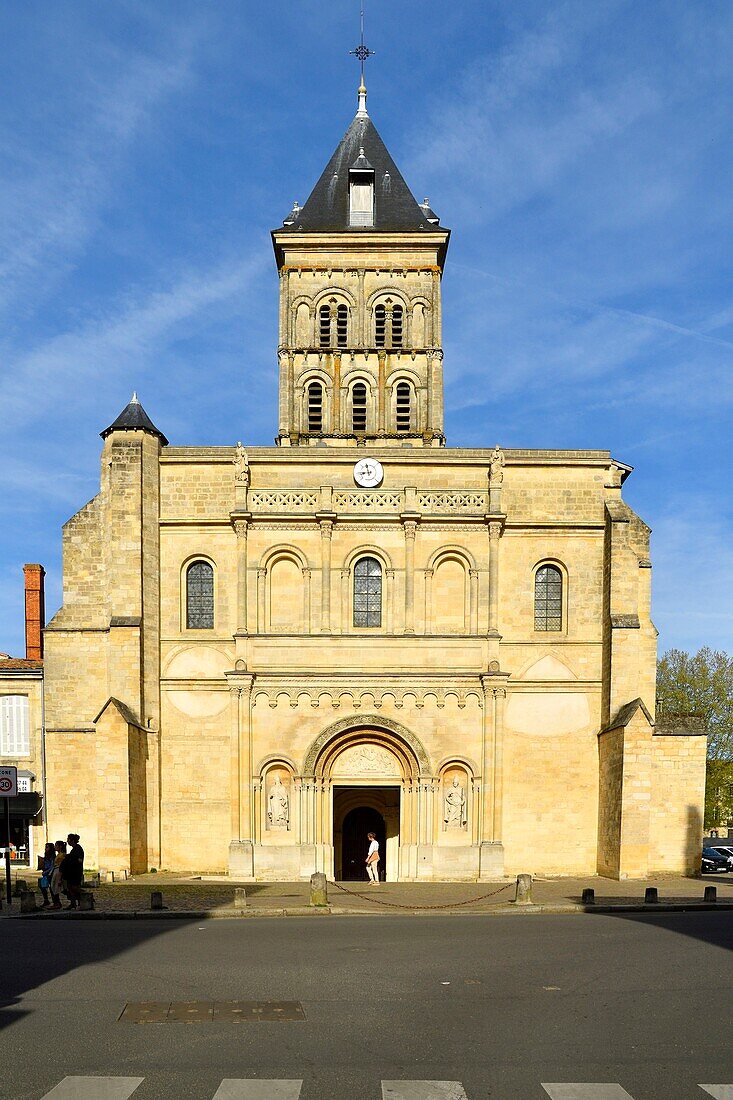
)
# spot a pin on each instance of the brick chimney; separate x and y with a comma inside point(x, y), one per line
point(35, 611)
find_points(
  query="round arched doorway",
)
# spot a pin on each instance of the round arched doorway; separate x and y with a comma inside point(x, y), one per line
point(355, 828)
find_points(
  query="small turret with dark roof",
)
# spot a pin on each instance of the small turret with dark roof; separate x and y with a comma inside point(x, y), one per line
point(133, 418)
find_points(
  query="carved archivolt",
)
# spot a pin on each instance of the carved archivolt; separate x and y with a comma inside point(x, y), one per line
point(382, 731)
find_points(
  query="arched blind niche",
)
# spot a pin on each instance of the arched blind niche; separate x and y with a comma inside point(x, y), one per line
point(200, 596)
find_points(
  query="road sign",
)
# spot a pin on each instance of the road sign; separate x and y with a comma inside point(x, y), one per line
point(8, 782)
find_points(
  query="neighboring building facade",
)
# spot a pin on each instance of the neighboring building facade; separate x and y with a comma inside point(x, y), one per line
point(21, 729)
point(262, 654)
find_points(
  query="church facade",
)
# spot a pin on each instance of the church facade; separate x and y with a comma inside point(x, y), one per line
point(265, 652)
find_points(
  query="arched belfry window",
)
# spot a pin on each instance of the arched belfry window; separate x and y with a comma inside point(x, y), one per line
point(324, 327)
point(359, 407)
point(367, 593)
point(403, 407)
point(397, 326)
point(315, 407)
point(200, 596)
point(380, 326)
point(548, 598)
point(342, 326)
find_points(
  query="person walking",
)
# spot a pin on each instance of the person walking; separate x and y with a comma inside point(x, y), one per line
point(72, 870)
point(57, 883)
point(372, 860)
point(46, 866)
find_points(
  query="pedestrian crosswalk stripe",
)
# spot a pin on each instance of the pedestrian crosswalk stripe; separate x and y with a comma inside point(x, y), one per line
point(94, 1088)
point(586, 1092)
point(241, 1089)
point(423, 1090)
point(720, 1092)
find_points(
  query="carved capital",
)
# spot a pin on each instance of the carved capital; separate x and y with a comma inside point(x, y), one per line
point(241, 526)
point(326, 528)
point(495, 527)
point(499, 693)
point(410, 529)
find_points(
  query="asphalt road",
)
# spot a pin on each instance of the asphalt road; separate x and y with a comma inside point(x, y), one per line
point(499, 1005)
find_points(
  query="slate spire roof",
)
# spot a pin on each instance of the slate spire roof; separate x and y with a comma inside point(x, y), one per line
point(133, 418)
point(327, 208)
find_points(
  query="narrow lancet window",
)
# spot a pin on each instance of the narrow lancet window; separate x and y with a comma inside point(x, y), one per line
point(548, 598)
point(403, 407)
point(342, 326)
point(315, 407)
point(397, 316)
point(380, 326)
point(200, 596)
point(324, 327)
point(367, 593)
point(359, 407)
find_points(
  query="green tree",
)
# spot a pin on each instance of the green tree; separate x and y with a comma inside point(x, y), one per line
point(702, 684)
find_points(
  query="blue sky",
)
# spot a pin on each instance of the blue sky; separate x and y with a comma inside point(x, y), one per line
point(582, 154)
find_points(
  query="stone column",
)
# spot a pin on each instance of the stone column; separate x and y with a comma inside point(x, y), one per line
point(389, 598)
point(495, 529)
point(241, 527)
point(382, 393)
point(360, 321)
point(429, 574)
point(345, 622)
point(336, 418)
point(491, 852)
point(284, 395)
point(326, 526)
point(261, 585)
point(241, 848)
point(436, 375)
point(410, 526)
point(473, 600)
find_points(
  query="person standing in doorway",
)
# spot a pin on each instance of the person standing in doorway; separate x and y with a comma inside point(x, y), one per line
point(372, 860)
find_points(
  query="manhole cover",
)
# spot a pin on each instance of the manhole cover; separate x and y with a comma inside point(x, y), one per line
point(199, 1012)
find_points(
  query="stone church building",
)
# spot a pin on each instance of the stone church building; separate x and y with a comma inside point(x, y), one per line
point(265, 652)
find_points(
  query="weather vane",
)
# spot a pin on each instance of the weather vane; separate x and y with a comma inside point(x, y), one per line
point(362, 52)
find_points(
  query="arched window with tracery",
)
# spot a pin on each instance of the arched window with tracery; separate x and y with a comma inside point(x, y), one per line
point(548, 598)
point(403, 407)
point(324, 327)
point(315, 407)
point(367, 593)
point(200, 596)
point(380, 326)
point(359, 407)
point(397, 326)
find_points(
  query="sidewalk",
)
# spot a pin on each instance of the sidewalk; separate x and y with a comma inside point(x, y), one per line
point(214, 896)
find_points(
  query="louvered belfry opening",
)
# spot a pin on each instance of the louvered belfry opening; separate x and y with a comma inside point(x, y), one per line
point(342, 326)
point(324, 327)
point(397, 316)
point(403, 407)
point(359, 407)
point(315, 407)
point(380, 326)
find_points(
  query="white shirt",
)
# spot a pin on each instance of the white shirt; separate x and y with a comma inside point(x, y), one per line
point(373, 847)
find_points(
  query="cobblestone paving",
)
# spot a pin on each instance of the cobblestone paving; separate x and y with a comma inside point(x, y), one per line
point(180, 894)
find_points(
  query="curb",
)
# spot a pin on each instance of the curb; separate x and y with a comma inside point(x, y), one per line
point(511, 909)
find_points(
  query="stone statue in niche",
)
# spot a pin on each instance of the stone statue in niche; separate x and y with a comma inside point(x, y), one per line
point(496, 466)
point(241, 466)
point(454, 814)
point(278, 805)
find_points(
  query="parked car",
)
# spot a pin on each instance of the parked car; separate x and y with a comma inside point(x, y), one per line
point(724, 851)
point(712, 862)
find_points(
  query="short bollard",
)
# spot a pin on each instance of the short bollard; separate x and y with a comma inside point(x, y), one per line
point(319, 889)
point(523, 895)
point(651, 897)
point(156, 899)
point(588, 897)
point(86, 901)
point(19, 888)
point(710, 893)
point(28, 902)
point(240, 897)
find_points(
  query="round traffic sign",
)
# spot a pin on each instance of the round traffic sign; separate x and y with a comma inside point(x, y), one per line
point(6, 784)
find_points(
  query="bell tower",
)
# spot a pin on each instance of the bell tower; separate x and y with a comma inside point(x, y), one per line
point(360, 268)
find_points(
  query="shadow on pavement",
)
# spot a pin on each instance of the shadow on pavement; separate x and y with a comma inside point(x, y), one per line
point(37, 950)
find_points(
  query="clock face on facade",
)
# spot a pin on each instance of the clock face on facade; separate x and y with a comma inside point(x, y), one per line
point(368, 473)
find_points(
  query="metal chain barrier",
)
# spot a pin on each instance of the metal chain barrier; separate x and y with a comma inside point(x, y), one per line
point(401, 905)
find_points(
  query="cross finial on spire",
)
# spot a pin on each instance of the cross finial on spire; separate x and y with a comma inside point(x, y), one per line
point(362, 53)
